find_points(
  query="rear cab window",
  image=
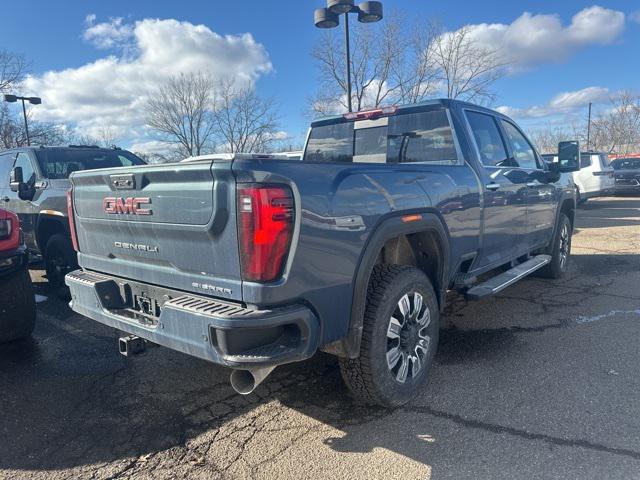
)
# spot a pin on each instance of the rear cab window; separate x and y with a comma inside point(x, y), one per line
point(58, 164)
point(425, 136)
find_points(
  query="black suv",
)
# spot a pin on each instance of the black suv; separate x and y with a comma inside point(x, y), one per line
point(33, 184)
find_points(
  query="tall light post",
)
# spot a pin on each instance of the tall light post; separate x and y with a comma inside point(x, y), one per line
point(31, 100)
point(329, 17)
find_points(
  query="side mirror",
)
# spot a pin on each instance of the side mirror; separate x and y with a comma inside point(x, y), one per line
point(16, 183)
point(16, 179)
point(568, 157)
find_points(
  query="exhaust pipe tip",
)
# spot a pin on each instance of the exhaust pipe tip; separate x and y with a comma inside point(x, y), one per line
point(246, 381)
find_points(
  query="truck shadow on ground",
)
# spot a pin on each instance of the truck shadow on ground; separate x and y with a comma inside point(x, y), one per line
point(70, 400)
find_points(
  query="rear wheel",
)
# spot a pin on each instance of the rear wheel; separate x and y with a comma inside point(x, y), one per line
point(59, 259)
point(399, 338)
point(559, 250)
point(17, 306)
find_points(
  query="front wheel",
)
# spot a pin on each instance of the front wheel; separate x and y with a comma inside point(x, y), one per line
point(59, 259)
point(17, 306)
point(560, 249)
point(399, 338)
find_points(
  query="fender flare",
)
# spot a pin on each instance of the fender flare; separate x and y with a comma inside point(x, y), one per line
point(388, 228)
point(44, 217)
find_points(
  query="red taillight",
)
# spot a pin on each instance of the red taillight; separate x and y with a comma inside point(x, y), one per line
point(265, 225)
point(72, 220)
point(9, 232)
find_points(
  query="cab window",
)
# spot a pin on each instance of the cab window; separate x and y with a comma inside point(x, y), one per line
point(28, 172)
point(488, 139)
point(6, 162)
point(523, 152)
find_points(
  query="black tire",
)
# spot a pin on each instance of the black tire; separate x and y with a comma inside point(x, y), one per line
point(17, 306)
point(59, 259)
point(371, 377)
point(560, 250)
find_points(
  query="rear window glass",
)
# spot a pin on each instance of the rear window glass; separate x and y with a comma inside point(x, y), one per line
point(60, 163)
point(417, 137)
point(626, 164)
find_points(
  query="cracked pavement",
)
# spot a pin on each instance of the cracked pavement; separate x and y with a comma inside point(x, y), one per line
point(538, 382)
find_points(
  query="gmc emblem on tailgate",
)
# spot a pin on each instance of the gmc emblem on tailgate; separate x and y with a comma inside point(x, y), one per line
point(129, 205)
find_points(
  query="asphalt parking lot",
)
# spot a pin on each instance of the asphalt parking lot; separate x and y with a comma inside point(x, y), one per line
point(539, 382)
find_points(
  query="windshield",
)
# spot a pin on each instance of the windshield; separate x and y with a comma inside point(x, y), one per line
point(57, 164)
point(413, 137)
point(626, 164)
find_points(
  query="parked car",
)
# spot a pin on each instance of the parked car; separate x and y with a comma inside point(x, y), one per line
point(627, 175)
point(33, 184)
point(17, 300)
point(595, 177)
point(252, 261)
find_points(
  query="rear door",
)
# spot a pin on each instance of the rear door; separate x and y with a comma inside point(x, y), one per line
point(505, 192)
point(172, 225)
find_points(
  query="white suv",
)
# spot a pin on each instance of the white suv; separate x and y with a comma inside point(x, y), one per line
point(595, 177)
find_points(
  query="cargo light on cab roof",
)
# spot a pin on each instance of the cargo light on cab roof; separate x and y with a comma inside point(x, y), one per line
point(372, 114)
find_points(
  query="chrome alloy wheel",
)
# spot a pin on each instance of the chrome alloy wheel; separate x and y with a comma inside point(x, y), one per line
point(407, 339)
point(565, 245)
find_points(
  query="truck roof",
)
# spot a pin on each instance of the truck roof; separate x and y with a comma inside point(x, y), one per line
point(407, 108)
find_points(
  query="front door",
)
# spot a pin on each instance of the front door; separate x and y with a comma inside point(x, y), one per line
point(541, 195)
point(505, 193)
point(25, 209)
point(6, 163)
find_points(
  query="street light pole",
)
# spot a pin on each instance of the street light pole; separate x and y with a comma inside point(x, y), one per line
point(348, 55)
point(329, 17)
point(589, 128)
point(31, 100)
point(26, 126)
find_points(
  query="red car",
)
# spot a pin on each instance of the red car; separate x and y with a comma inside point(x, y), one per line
point(17, 301)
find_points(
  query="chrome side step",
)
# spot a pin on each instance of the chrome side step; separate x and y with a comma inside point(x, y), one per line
point(502, 281)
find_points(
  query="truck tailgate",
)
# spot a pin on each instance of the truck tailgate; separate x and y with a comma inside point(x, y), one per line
point(172, 225)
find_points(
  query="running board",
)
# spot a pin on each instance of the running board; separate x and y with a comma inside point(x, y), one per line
point(502, 281)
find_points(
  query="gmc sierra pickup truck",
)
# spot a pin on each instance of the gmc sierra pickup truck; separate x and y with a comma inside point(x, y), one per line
point(253, 261)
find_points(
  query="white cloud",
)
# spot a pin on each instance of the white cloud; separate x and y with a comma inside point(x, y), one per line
point(113, 33)
point(112, 90)
point(562, 104)
point(536, 39)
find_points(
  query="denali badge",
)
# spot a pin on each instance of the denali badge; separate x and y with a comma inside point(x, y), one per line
point(129, 205)
point(136, 246)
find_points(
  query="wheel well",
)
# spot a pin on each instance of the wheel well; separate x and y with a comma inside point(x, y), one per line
point(569, 209)
point(47, 228)
point(422, 250)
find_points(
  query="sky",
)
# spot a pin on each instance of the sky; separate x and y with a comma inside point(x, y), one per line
point(93, 62)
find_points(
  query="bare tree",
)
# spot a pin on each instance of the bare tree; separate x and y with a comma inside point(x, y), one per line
point(13, 134)
point(618, 130)
point(468, 70)
point(547, 138)
point(243, 121)
point(388, 64)
point(13, 68)
point(181, 111)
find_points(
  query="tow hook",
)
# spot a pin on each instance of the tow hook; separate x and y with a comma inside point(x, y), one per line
point(131, 345)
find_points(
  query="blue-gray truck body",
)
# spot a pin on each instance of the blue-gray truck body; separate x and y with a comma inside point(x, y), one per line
point(172, 272)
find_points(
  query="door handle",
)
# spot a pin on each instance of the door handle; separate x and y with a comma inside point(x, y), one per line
point(532, 184)
point(492, 186)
